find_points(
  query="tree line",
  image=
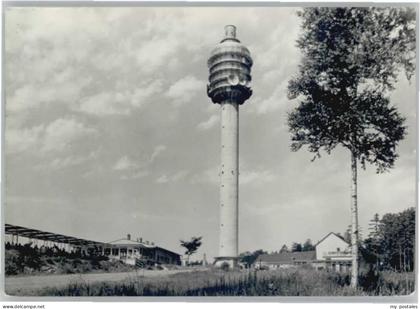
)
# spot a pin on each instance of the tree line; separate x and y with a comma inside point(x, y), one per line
point(391, 242)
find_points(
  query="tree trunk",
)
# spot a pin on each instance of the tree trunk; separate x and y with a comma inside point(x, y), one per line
point(399, 251)
point(354, 223)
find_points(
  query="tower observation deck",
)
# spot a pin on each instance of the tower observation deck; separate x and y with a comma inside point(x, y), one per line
point(229, 65)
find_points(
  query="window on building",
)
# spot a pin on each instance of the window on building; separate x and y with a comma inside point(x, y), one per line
point(338, 249)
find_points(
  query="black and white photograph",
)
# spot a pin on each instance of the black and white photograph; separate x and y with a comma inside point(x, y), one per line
point(202, 150)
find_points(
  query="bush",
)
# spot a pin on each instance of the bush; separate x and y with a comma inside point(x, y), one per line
point(12, 264)
point(66, 269)
point(388, 283)
point(49, 261)
point(25, 259)
point(225, 266)
point(76, 262)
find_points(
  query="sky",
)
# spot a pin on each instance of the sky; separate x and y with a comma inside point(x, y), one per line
point(109, 131)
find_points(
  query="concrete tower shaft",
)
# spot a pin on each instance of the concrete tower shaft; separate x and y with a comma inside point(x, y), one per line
point(229, 171)
point(229, 85)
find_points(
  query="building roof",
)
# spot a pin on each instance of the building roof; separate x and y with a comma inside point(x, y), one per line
point(168, 251)
point(337, 235)
point(287, 257)
point(48, 236)
point(129, 242)
point(59, 238)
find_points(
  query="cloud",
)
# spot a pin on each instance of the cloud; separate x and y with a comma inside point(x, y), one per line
point(172, 178)
point(21, 140)
point(264, 209)
point(103, 104)
point(51, 147)
point(256, 177)
point(209, 123)
point(124, 163)
point(280, 41)
point(179, 175)
point(118, 102)
point(276, 101)
point(162, 179)
point(142, 93)
point(61, 133)
point(157, 151)
point(210, 175)
point(184, 90)
point(135, 169)
point(55, 137)
point(60, 163)
point(56, 87)
point(136, 175)
point(156, 52)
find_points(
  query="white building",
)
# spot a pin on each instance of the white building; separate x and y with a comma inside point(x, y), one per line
point(136, 252)
point(333, 251)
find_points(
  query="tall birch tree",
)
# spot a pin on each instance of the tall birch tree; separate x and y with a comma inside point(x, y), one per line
point(351, 59)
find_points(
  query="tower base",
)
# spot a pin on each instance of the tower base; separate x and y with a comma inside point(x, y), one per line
point(226, 262)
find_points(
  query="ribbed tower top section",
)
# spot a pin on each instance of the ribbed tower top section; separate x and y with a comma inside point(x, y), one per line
point(230, 65)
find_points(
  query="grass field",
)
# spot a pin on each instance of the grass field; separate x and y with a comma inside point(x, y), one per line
point(212, 282)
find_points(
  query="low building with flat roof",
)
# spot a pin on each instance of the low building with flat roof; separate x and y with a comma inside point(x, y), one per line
point(284, 259)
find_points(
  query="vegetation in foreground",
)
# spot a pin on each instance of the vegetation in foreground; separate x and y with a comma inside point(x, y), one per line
point(288, 282)
point(28, 260)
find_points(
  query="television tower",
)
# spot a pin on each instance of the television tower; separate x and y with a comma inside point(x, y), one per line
point(229, 85)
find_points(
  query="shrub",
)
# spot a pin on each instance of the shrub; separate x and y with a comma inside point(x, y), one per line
point(12, 265)
point(25, 259)
point(49, 261)
point(225, 266)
